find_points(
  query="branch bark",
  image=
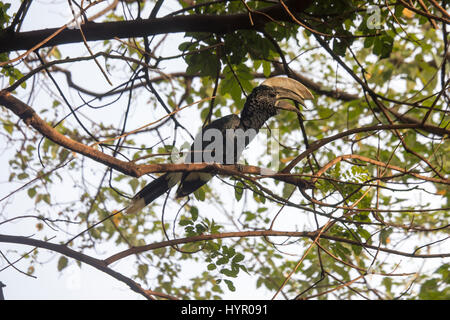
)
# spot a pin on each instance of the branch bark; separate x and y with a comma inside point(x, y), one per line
point(320, 143)
point(260, 233)
point(62, 249)
point(30, 117)
point(10, 41)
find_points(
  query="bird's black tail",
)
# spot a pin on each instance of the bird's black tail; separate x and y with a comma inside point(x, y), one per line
point(152, 191)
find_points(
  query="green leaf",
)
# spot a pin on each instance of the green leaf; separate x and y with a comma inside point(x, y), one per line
point(22, 175)
point(222, 260)
point(232, 273)
point(384, 235)
point(387, 282)
point(364, 233)
point(211, 266)
point(185, 222)
point(429, 290)
point(287, 190)
point(142, 271)
point(62, 263)
point(134, 183)
point(357, 249)
point(194, 213)
point(339, 47)
point(200, 194)
point(31, 192)
point(4, 17)
point(249, 216)
point(383, 46)
point(238, 258)
point(238, 190)
point(8, 126)
point(46, 198)
point(203, 62)
point(368, 42)
point(200, 229)
point(185, 46)
point(230, 285)
point(267, 68)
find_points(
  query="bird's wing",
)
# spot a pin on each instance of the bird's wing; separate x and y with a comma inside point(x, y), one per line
point(191, 181)
point(206, 148)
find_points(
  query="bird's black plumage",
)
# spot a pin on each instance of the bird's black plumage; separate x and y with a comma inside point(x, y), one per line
point(261, 104)
point(259, 107)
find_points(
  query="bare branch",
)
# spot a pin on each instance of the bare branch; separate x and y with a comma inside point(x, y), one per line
point(149, 27)
point(62, 249)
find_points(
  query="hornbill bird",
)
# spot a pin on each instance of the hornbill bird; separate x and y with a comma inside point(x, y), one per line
point(263, 102)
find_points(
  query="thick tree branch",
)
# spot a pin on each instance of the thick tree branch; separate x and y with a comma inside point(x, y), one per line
point(30, 117)
point(10, 41)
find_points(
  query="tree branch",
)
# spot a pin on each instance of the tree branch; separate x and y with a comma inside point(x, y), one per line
point(30, 117)
point(62, 249)
point(320, 143)
point(259, 233)
point(10, 41)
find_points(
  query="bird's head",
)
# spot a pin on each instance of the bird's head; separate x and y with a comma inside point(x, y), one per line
point(269, 97)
